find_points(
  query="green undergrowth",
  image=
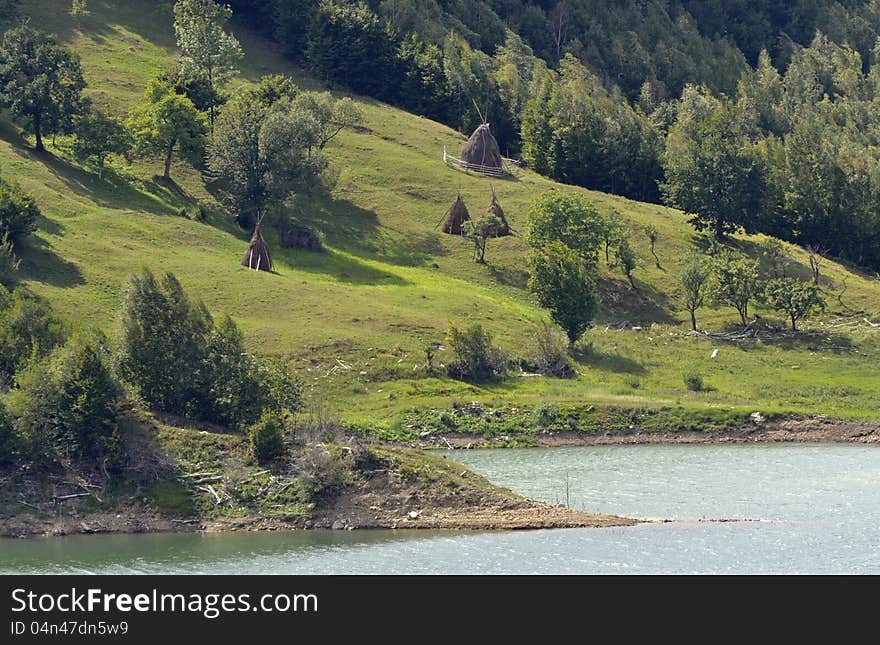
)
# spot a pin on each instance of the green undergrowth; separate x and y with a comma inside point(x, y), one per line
point(519, 425)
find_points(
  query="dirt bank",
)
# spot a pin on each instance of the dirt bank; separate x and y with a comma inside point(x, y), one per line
point(781, 431)
point(403, 489)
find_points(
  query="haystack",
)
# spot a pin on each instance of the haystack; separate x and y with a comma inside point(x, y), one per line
point(482, 149)
point(456, 216)
point(257, 256)
point(496, 210)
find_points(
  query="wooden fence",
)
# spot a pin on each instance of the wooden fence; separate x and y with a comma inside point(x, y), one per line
point(454, 162)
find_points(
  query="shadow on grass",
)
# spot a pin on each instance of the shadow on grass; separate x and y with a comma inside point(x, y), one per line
point(510, 276)
point(103, 19)
point(39, 262)
point(333, 264)
point(607, 362)
point(157, 196)
point(780, 336)
point(357, 230)
point(622, 303)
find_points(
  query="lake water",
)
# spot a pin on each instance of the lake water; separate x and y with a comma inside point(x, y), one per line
point(811, 509)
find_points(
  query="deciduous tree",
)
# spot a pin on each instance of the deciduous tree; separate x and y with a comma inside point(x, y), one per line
point(209, 51)
point(794, 298)
point(695, 281)
point(737, 282)
point(165, 124)
point(41, 82)
point(98, 136)
point(560, 279)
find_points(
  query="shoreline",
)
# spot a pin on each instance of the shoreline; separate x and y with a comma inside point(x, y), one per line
point(348, 515)
point(384, 502)
point(776, 431)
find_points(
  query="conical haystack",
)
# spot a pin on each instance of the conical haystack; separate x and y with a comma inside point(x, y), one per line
point(257, 256)
point(496, 210)
point(482, 149)
point(455, 218)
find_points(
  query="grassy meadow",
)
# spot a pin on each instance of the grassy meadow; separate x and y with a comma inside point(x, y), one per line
point(355, 320)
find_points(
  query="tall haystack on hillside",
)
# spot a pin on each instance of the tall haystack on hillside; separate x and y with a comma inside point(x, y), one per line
point(496, 210)
point(456, 216)
point(257, 256)
point(482, 149)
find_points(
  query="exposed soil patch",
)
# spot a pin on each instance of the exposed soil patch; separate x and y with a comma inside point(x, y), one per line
point(406, 489)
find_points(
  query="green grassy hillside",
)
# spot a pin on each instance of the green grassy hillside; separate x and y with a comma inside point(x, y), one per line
point(354, 320)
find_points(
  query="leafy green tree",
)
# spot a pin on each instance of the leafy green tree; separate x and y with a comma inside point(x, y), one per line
point(814, 182)
point(68, 404)
point(711, 173)
point(179, 361)
point(97, 136)
point(292, 20)
point(695, 282)
point(737, 282)
point(472, 86)
point(40, 81)
point(479, 232)
point(18, 212)
point(331, 116)
point(537, 129)
point(162, 344)
point(209, 51)
point(267, 438)
point(205, 97)
point(265, 152)
point(237, 394)
point(580, 133)
point(560, 279)
point(167, 123)
point(282, 390)
point(764, 89)
point(29, 329)
point(625, 259)
point(272, 88)
point(567, 218)
point(423, 88)
point(794, 298)
point(348, 43)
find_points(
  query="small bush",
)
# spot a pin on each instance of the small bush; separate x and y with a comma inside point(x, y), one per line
point(301, 236)
point(267, 438)
point(550, 355)
point(546, 415)
point(694, 382)
point(475, 357)
point(326, 468)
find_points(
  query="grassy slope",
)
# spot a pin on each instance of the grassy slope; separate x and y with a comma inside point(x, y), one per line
point(391, 282)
